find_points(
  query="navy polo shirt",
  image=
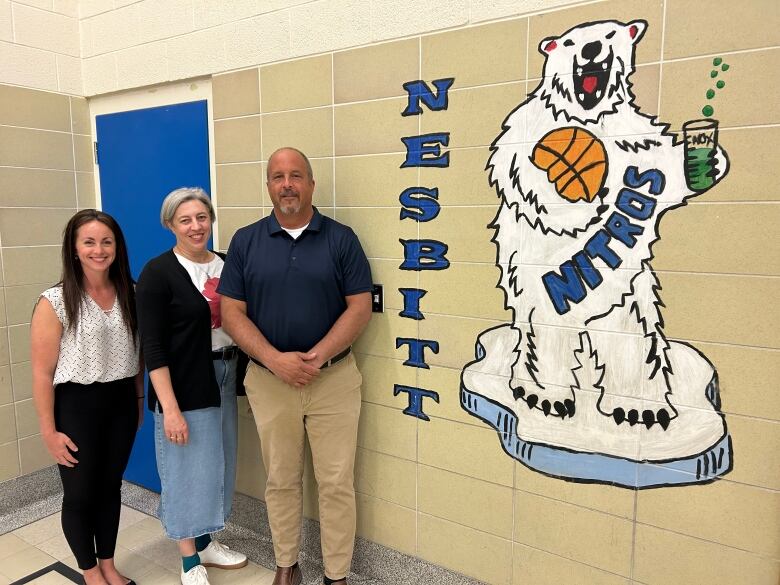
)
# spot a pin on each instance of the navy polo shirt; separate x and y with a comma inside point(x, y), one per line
point(294, 289)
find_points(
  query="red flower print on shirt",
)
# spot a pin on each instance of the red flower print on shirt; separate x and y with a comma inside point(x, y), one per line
point(212, 296)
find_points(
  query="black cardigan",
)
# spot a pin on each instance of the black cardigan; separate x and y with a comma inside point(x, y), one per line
point(174, 323)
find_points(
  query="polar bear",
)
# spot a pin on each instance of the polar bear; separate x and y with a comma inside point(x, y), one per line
point(576, 271)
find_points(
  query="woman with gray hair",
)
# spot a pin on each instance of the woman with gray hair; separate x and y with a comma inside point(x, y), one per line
point(192, 391)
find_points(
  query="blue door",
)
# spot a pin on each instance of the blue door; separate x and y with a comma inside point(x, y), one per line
point(142, 156)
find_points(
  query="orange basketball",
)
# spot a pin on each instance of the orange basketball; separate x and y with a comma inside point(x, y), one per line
point(575, 161)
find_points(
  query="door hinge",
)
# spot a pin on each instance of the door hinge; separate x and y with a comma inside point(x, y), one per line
point(96, 153)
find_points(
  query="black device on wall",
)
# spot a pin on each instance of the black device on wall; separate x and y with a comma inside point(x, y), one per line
point(377, 299)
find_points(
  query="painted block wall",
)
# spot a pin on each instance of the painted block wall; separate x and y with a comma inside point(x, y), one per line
point(444, 489)
point(40, 45)
point(45, 176)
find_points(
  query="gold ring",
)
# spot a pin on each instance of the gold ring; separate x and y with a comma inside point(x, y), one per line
point(173, 437)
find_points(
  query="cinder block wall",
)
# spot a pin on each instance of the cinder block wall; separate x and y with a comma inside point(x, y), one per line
point(39, 44)
point(45, 176)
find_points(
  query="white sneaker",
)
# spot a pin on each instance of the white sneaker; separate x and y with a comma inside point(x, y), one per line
point(197, 575)
point(221, 557)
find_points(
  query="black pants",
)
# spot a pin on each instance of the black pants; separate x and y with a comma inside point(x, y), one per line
point(101, 419)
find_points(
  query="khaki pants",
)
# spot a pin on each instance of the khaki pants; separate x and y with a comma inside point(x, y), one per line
point(327, 411)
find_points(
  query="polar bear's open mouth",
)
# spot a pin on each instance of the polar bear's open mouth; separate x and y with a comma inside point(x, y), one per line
point(590, 80)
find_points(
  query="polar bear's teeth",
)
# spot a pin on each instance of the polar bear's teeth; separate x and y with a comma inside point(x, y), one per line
point(598, 94)
point(581, 96)
point(604, 65)
point(579, 70)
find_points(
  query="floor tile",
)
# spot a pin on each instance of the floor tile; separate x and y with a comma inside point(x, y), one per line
point(264, 576)
point(42, 530)
point(140, 533)
point(133, 565)
point(161, 551)
point(249, 575)
point(11, 544)
point(160, 576)
point(25, 562)
point(56, 547)
point(128, 517)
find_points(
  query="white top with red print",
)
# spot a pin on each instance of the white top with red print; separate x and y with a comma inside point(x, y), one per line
point(205, 277)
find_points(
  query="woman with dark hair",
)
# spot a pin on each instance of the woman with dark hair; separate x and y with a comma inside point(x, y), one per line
point(88, 386)
point(192, 365)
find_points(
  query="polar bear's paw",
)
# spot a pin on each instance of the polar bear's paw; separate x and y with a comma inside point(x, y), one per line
point(557, 404)
point(634, 411)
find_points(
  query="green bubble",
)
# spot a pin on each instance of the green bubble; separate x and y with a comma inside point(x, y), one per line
point(713, 74)
point(724, 67)
point(710, 94)
point(721, 84)
point(707, 111)
point(717, 61)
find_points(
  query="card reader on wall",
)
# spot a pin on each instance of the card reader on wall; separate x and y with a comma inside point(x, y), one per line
point(377, 299)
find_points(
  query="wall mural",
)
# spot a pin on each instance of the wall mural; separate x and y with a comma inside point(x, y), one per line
point(584, 385)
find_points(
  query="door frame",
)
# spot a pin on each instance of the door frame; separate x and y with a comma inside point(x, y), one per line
point(150, 97)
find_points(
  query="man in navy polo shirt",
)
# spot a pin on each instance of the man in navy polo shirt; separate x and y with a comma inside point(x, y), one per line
point(296, 292)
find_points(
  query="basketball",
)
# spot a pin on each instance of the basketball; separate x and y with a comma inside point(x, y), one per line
point(575, 162)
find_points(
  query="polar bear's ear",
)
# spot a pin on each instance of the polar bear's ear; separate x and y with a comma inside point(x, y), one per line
point(548, 45)
point(636, 28)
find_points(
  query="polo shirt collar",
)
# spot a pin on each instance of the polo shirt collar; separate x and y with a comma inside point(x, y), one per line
point(315, 224)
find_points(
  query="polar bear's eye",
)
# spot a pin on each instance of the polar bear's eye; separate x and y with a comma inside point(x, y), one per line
point(610, 35)
point(568, 43)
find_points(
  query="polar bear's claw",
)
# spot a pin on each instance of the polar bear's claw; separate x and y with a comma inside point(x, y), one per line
point(556, 408)
point(649, 417)
point(663, 418)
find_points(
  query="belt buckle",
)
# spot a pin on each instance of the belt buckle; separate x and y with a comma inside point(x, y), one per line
point(336, 358)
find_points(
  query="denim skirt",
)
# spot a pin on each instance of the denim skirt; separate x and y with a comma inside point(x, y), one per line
point(198, 478)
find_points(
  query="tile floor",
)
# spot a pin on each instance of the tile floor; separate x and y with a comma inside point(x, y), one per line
point(143, 554)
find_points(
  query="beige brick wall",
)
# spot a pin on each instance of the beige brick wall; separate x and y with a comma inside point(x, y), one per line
point(444, 489)
point(45, 175)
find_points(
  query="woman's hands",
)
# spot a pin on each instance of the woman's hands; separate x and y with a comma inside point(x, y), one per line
point(58, 445)
point(175, 426)
point(174, 423)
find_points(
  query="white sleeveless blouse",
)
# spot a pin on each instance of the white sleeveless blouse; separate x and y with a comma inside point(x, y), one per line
point(98, 349)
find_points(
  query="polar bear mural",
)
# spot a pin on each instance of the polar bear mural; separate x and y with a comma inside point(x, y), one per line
point(583, 384)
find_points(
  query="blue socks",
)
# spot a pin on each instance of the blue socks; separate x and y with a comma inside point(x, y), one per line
point(188, 563)
point(202, 542)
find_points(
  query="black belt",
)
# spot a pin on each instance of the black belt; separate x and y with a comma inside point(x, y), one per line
point(331, 362)
point(226, 353)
